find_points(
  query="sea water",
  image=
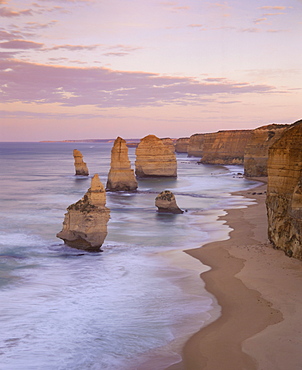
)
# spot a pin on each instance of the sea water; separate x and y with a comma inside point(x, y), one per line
point(131, 306)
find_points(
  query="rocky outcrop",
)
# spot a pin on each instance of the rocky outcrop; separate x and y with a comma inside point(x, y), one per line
point(182, 144)
point(80, 166)
point(256, 152)
point(284, 192)
point(195, 147)
point(225, 147)
point(166, 203)
point(153, 158)
point(85, 223)
point(121, 177)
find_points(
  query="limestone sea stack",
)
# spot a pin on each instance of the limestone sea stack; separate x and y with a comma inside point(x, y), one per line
point(166, 203)
point(154, 158)
point(121, 177)
point(85, 223)
point(284, 192)
point(81, 168)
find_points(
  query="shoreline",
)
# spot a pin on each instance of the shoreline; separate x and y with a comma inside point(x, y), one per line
point(259, 290)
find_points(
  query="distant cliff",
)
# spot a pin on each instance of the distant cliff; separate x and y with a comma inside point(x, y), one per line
point(256, 152)
point(181, 145)
point(195, 146)
point(284, 192)
point(225, 147)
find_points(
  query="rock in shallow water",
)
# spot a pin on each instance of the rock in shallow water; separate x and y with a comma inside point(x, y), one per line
point(85, 223)
point(166, 203)
point(81, 168)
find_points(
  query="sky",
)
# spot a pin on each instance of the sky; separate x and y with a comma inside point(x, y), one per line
point(98, 69)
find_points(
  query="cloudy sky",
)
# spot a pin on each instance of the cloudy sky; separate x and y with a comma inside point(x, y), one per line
point(75, 69)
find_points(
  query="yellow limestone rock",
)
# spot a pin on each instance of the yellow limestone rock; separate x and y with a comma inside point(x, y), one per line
point(85, 223)
point(256, 151)
point(181, 145)
point(166, 203)
point(225, 147)
point(154, 158)
point(121, 177)
point(80, 166)
point(284, 192)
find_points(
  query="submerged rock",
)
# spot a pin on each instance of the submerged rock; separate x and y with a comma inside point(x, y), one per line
point(166, 203)
point(154, 158)
point(85, 223)
point(121, 176)
point(81, 168)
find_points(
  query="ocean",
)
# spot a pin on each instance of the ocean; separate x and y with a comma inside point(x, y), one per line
point(129, 307)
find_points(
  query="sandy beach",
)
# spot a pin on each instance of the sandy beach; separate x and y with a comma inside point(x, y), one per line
point(259, 290)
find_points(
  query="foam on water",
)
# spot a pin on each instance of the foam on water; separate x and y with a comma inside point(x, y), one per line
point(141, 298)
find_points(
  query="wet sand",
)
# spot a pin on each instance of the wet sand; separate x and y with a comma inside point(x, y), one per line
point(259, 290)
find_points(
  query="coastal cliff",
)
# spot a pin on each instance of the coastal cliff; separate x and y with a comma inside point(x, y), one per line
point(181, 145)
point(121, 177)
point(284, 192)
point(85, 223)
point(154, 158)
point(81, 168)
point(225, 147)
point(195, 146)
point(256, 152)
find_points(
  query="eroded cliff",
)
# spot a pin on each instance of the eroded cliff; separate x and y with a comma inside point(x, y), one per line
point(225, 147)
point(182, 144)
point(256, 152)
point(195, 146)
point(284, 192)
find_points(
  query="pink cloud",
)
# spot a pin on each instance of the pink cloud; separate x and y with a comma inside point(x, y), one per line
point(103, 87)
point(21, 44)
point(8, 12)
point(74, 47)
point(273, 7)
point(259, 20)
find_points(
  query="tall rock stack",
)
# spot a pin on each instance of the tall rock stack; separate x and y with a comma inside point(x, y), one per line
point(121, 177)
point(256, 151)
point(284, 192)
point(85, 223)
point(153, 158)
point(80, 166)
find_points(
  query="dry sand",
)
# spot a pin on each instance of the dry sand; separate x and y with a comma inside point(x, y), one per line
point(260, 292)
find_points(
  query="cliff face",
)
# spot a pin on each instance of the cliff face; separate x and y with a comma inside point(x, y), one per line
point(154, 158)
point(256, 152)
point(195, 146)
point(284, 192)
point(85, 223)
point(80, 166)
point(121, 176)
point(182, 144)
point(225, 147)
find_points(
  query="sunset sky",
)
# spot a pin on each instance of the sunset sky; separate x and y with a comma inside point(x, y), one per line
point(96, 69)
